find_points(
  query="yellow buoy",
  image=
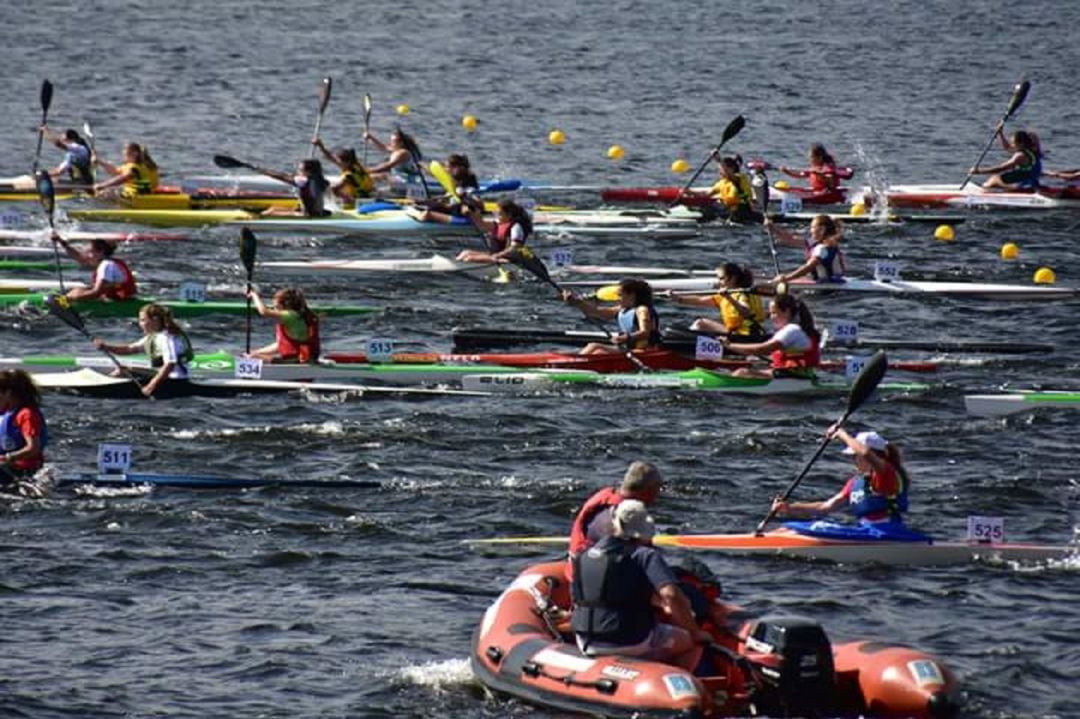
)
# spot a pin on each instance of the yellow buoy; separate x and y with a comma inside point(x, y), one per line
point(1010, 251)
point(858, 209)
point(680, 166)
point(615, 152)
point(1045, 276)
point(781, 185)
point(556, 137)
point(403, 109)
point(469, 123)
point(945, 233)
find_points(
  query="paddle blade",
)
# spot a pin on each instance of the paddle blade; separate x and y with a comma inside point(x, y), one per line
point(324, 93)
point(248, 245)
point(442, 175)
point(1020, 93)
point(527, 260)
point(46, 96)
point(608, 293)
point(88, 130)
point(367, 108)
point(46, 193)
point(60, 307)
point(867, 381)
point(228, 162)
point(734, 128)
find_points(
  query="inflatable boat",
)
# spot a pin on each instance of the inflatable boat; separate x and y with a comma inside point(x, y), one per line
point(773, 665)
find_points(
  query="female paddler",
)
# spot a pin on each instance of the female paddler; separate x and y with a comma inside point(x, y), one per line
point(742, 313)
point(297, 330)
point(794, 348)
point(878, 493)
point(400, 166)
point(824, 259)
point(112, 279)
point(355, 181)
point(637, 319)
point(163, 341)
point(465, 202)
point(822, 173)
point(734, 192)
point(310, 184)
point(510, 231)
point(137, 175)
point(78, 162)
point(1022, 170)
point(23, 434)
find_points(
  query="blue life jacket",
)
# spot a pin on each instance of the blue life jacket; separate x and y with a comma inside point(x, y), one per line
point(11, 439)
point(828, 269)
point(612, 595)
point(864, 501)
point(627, 321)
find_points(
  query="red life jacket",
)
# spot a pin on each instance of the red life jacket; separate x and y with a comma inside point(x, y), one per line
point(579, 540)
point(824, 178)
point(304, 351)
point(500, 240)
point(793, 359)
point(125, 290)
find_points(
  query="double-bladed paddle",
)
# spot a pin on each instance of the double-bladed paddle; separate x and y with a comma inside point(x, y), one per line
point(248, 244)
point(861, 389)
point(60, 307)
point(89, 132)
point(46, 100)
point(47, 196)
point(733, 128)
point(227, 162)
point(367, 124)
point(1020, 93)
point(324, 100)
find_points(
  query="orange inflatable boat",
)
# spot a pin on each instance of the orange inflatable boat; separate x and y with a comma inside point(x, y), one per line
point(774, 665)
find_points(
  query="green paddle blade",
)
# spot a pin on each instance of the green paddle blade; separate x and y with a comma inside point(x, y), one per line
point(248, 244)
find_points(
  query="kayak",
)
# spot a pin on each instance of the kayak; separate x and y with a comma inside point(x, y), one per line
point(35, 265)
point(998, 405)
point(189, 481)
point(899, 287)
point(843, 544)
point(974, 196)
point(778, 665)
point(699, 196)
point(435, 263)
point(74, 236)
point(92, 383)
point(165, 198)
point(180, 308)
point(870, 218)
point(694, 380)
point(250, 182)
point(475, 338)
point(22, 286)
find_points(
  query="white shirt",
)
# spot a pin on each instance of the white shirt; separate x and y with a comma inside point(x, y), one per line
point(169, 348)
point(792, 337)
point(109, 272)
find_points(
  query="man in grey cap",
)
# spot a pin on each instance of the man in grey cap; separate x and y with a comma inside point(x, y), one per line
point(613, 587)
point(642, 481)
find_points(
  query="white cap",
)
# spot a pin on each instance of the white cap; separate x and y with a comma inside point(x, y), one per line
point(873, 440)
point(632, 520)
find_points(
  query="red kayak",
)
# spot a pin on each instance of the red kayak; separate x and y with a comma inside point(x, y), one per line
point(768, 666)
point(699, 197)
point(657, 359)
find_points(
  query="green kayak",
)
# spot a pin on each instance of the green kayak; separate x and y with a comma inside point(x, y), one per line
point(180, 308)
point(698, 379)
point(36, 265)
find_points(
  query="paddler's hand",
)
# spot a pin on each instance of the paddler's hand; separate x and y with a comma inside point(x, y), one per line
point(570, 298)
point(99, 343)
point(779, 507)
point(147, 391)
point(778, 279)
point(622, 339)
point(833, 431)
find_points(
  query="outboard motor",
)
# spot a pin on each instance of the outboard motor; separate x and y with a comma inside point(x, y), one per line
point(794, 663)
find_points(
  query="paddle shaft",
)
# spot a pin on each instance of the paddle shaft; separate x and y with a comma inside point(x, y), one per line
point(46, 101)
point(367, 125)
point(47, 195)
point(1019, 95)
point(730, 131)
point(69, 317)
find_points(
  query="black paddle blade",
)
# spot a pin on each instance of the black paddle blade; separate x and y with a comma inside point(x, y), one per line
point(527, 260)
point(228, 162)
point(46, 95)
point(60, 307)
point(1020, 93)
point(248, 243)
point(733, 129)
point(46, 192)
point(867, 380)
point(324, 93)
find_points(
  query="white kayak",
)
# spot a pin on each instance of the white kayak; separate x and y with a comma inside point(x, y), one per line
point(435, 263)
point(21, 285)
point(972, 290)
point(998, 405)
point(974, 196)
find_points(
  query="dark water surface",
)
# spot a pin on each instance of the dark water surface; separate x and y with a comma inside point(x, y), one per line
point(336, 603)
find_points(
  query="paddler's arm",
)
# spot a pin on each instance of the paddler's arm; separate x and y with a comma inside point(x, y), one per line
point(1067, 175)
point(105, 165)
point(752, 348)
point(31, 448)
point(397, 157)
point(687, 300)
point(376, 142)
point(783, 235)
point(261, 307)
point(644, 321)
point(317, 142)
point(128, 349)
point(800, 271)
point(790, 172)
point(150, 387)
point(860, 449)
point(588, 308)
point(1009, 164)
point(808, 510)
point(83, 260)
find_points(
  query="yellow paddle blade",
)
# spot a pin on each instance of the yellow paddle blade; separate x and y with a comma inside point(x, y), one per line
point(441, 174)
point(608, 293)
